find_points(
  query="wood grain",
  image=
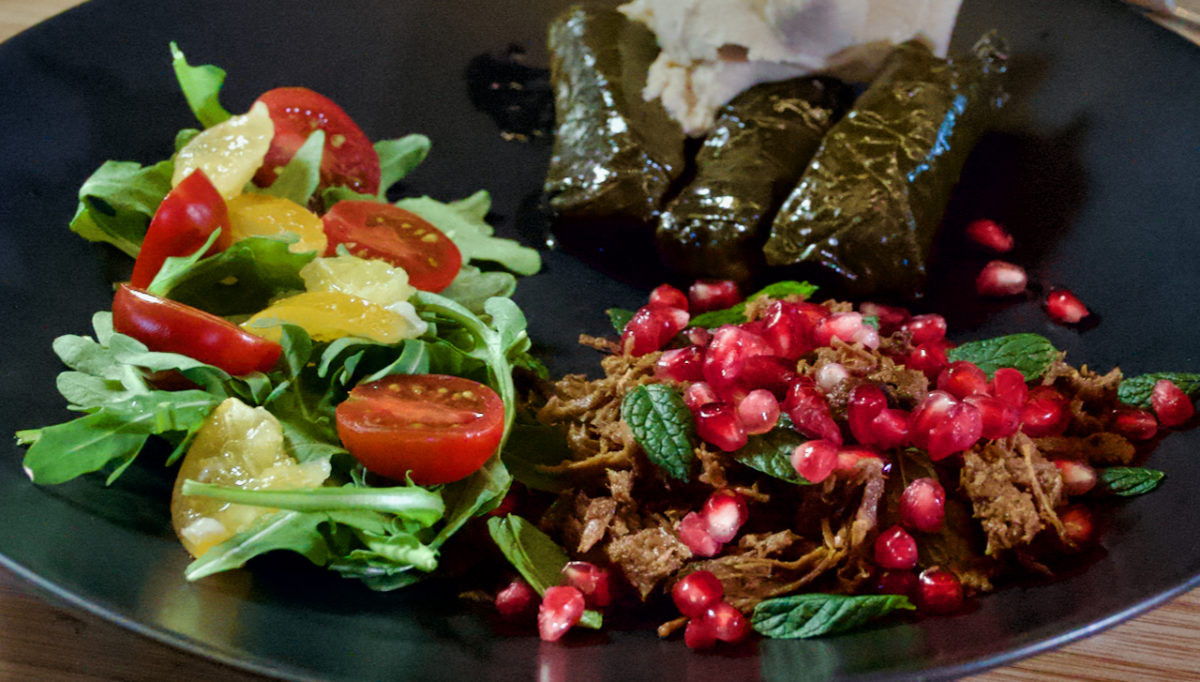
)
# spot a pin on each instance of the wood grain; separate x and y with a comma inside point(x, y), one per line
point(44, 642)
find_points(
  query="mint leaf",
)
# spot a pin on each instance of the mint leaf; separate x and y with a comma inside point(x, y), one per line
point(117, 202)
point(397, 158)
point(201, 86)
point(535, 555)
point(1032, 354)
point(1136, 390)
point(662, 425)
point(619, 317)
point(771, 452)
point(1127, 481)
point(737, 313)
point(812, 615)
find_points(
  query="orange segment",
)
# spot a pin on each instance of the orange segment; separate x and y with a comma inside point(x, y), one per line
point(259, 215)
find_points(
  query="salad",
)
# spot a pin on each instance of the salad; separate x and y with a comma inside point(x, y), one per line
point(331, 371)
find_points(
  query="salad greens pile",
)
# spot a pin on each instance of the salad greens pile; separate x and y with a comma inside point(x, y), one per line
point(474, 330)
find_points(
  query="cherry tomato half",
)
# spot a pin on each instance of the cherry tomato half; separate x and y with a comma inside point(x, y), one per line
point(440, 428)
point(185, 219)
point(172, 327)
point(348, 160)
point(371, 229)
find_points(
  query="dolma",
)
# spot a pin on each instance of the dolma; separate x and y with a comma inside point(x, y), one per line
point(615, 154)
point(869, 205)
point(759, 146)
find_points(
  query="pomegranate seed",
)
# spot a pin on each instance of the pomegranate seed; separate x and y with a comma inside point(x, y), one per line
point(1000, 419)
point(770, 372)
point(1135, 424)
point(830, 376)
point(693, 532)
point(758, 411)
point(1078, 529)
point(1001, 278)
point(938, 591)
point(895, 549)
point(848, 327)
point(1078, 477)
point(516, 600)
point(943, 426)
point(896, 582)
point(699, 634)
point(593, 581)
point(651, 328)
point(680, 364)
point(562, 607)
point(698, 336)
point(1172, 406)
point(923, 505)
point(718, 425)
point(890, 317)
point(695, 592)
point(1063, 306)
point(728, 624)
point(725, 357)
point(989, 235)
point(961, 379)
point(809, 412)
point(926, 328)
point(849, 456)
point(889, 429)
point(928, 358)
point(815, 459)
point(1045, 413)
point(706, 295)
point(698, 395)
point(667, 295)
point(724, 512)
point(787, 329)
point(865, 403)
point(1008, 384)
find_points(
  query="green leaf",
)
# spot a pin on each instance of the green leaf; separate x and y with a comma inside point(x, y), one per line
point(299, 178)
point(1136, 390)
point(412, 502)
point(535, 555)
point(240, 280)
point(201, 87)
point(473, 236)
point(737, 313)
point(289, 530)
point(473, 287)
point(771, 452)
point(662, 424)
point(619, 317)
point(397, 158)
point(1127, 481)
point(117, 202)
point(532, 444)
point(1032, 354)
point(813, 615)
point(65, 451)
point(477, 494)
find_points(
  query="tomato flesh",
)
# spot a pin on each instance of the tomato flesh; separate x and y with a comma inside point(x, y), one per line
point(348, 159)
point(433, 427)
point(184, 221)
point(371, 229)
point(172, 327)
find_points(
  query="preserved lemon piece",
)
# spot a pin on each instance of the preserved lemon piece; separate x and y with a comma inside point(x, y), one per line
point(259, 215)
point(330, 315)
point(230, 152)
point(241, 446)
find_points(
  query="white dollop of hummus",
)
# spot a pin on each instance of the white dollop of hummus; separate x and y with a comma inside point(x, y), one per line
point(714, 49)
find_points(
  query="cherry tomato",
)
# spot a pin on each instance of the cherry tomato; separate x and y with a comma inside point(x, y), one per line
point(185, 219)
point(371, 229)
point(172, 327)
point(348, 160)
point(439, 428)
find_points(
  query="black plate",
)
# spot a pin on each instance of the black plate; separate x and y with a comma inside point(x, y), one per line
point(1095, 171)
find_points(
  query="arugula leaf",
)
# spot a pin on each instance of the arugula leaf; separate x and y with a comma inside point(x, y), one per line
point(239, 280)
point(1136, 390)
point(1032, 354)
point(533, 444)
point(201, 87)
point(736, 314)
point(662, 424)
point(619, 317)
point(472, 287)
point(771, 452)
point(397, 158)
point(290, 530)
point(299, 178)
point(1127, 481)
point(536, 557)
point(813, 615)
point(117, 202)
point(463, 223)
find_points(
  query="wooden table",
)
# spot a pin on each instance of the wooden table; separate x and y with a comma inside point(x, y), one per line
point(40, 641)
